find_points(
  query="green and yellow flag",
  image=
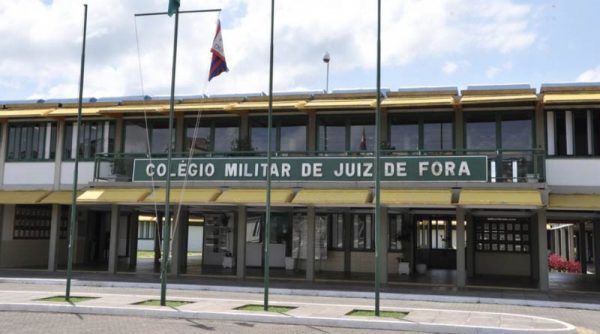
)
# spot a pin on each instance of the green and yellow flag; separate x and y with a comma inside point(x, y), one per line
point(173, 6)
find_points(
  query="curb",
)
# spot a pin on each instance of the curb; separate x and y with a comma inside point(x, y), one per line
point(312, 293)
point(372, 324)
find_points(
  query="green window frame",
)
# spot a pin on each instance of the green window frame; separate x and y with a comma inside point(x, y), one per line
point(445, 120)
point(212, 125)
point(364, 124)
point(279, 123)
point(97, 137)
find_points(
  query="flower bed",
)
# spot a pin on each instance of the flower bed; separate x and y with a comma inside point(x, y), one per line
point(557, 263)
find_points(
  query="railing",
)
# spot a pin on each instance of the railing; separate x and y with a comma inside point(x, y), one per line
point(512, 166)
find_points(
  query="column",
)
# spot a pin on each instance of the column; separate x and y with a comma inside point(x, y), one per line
point(157, 239)
point(59, 151)
point(383, 257)
point(540, 129)
point(569, 131)
point(542, 244)
point(177, 239)
point(556, 237)
point(470, 251)
point(114, 237)
point(119, 133)
point(563, 242)
point(461, 273)
point(551, 135)
point(570, 243)
point(597, 249)
point(244, 127)
point(459, 127)
point(54, 231)
point(581, 250)
point(180, 131)
point(310, 243)
point(241, 243)
point(133, 240)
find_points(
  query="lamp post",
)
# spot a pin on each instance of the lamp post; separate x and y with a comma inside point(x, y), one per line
point(326, 59)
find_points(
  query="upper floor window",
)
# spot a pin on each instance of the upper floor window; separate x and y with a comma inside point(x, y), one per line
point(141, 134)
point(573, 132)
point(31, 141)
point(288, 134)
point(95, 137)
point(213, 135)
point(411, 132)
point(345, 133)
point(498, 130)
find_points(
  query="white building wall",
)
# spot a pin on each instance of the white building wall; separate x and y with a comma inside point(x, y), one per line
point(29, 174)
point(85, 175)
point(573, 172)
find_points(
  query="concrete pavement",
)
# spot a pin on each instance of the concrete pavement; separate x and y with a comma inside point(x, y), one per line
point(313, 311)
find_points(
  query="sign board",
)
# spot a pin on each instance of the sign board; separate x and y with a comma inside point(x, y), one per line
point(332, 169)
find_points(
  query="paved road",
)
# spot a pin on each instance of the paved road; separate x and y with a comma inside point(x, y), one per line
point(48, 323)
point(586, 321)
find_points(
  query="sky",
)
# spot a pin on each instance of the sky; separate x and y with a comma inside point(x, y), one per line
point(425, 43)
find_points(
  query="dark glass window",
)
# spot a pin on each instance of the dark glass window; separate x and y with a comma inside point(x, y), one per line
point(332, 134)
point(362, 135)
point(336, 231)
point(399, 233)
point(433, 131)
point(137, 136)
point(480, 131)
point(596, 131)
point(363, 236)
point(288, 134)
point(404, 132)
point(31, 141)
point(214, 135)
point(95, 137)
point(516, 131)
point(438, 132)
point(580, 132)
point(560, 133)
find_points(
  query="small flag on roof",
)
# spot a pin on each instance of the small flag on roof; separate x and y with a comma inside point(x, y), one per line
point(173, 6)
point(218, 64)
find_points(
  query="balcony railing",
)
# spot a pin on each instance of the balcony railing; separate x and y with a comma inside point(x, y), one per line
point(511, 166)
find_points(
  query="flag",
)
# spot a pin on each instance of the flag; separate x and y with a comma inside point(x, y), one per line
point(218, 64)
point(173, 6)
point(363, 140)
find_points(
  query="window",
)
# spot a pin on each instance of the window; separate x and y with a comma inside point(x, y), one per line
point(146, 229)
point(32, 222)
point(341, 134)
point(288, 134)
point(573, 132)
point(505, 235)
point(137, 135)
point(431, 132)
point(335, 230)
point(96, 137)
point(363, 236)
point(399, 233)
point(480, 130)
point(31, 141)
point(213, 135)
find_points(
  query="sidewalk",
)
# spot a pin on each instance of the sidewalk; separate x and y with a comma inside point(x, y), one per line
point(310, 313)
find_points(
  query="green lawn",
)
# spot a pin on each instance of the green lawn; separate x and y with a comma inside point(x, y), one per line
point(260, 308)
point(168, 303)
point(382, 314)
point(62, 299)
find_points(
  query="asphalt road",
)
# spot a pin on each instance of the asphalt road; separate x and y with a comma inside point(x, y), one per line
point(50, 323)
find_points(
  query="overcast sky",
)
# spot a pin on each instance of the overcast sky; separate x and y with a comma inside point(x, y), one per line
point(425, 43)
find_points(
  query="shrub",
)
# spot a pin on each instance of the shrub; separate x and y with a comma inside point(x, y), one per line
point(557, 263)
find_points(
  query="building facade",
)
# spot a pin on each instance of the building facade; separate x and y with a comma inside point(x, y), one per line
point(479, 186)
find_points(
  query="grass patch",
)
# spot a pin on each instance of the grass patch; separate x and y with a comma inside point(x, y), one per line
point(261, 308)
point(382, 314)
point(168, 303)
point(62, 299)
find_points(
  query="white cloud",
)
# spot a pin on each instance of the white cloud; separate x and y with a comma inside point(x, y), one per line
point(41, 42)
point(591, 75)
point(492, 71)
point(450, 67)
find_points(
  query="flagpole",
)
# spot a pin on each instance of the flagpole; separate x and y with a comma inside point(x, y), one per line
point(267, 240)
point(73, 219)
point(376, 169)
point(166, 225)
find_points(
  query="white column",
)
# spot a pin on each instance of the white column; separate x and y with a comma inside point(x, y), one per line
point(114, 237)
point(54, 234)
point(48, 140)
point(550, 131)
point(60, 128)
point(542, 243)
point(571, 243)
point(563, 242)
point(569, 131)
point(241, 243)
point(3, 146)
point(310, 243)
point(461, 273)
